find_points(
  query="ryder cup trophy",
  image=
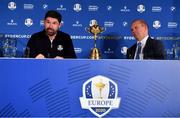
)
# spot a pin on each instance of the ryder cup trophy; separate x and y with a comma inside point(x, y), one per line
point(95, 29)
point(100, 86)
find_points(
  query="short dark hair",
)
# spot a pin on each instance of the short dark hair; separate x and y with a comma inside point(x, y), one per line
point(141, 21)
point(53, 14)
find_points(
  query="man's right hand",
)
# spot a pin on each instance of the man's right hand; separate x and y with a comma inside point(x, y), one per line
point(40, 56)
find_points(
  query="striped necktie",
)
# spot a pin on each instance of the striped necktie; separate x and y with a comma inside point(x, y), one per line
point(139, 46)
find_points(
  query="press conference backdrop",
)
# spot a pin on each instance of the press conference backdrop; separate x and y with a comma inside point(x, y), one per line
point(19, 19)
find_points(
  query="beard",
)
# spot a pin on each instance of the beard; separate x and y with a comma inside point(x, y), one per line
point(50, 32)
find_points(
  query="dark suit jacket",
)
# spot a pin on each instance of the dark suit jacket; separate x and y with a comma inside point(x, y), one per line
point(153, 49)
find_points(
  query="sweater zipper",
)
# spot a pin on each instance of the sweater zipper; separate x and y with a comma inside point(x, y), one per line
point(51, 45)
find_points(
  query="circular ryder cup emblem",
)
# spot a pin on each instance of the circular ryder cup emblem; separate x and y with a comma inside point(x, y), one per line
point(124, 50)
point(28, 22)
point(100, 95)
point(12, 5)
point(77, 7)
point(92, 22)
point(141, 8)
point(156, 24)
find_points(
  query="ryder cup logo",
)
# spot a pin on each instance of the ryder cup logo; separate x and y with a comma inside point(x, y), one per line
point(100, 95)
point(60, 47)
point(141, 8)
point(77, 7)
point(124, 50)
point(156, 24)
point(92, 22)
point(28, 22)
point(12, 5)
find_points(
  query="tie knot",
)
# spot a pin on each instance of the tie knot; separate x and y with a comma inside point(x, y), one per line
point(139, 43)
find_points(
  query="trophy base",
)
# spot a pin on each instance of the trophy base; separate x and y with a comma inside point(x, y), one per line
point(95, 54)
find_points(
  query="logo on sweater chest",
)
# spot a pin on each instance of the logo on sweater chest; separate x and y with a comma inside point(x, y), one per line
point(59, 47)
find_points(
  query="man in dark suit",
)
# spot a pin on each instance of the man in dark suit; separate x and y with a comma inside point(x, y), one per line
point(145, 47)
point(50, 43)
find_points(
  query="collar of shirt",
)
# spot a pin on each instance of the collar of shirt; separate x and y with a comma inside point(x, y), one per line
point(143, 41)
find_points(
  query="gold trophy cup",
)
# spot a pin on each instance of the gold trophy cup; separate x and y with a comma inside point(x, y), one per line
point(95, 29)
point(100, 86)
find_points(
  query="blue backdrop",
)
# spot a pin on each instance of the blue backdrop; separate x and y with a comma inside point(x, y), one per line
point(19, 19)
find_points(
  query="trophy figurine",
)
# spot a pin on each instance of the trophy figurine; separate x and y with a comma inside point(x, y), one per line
point(95, 29)
point(100, 86)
